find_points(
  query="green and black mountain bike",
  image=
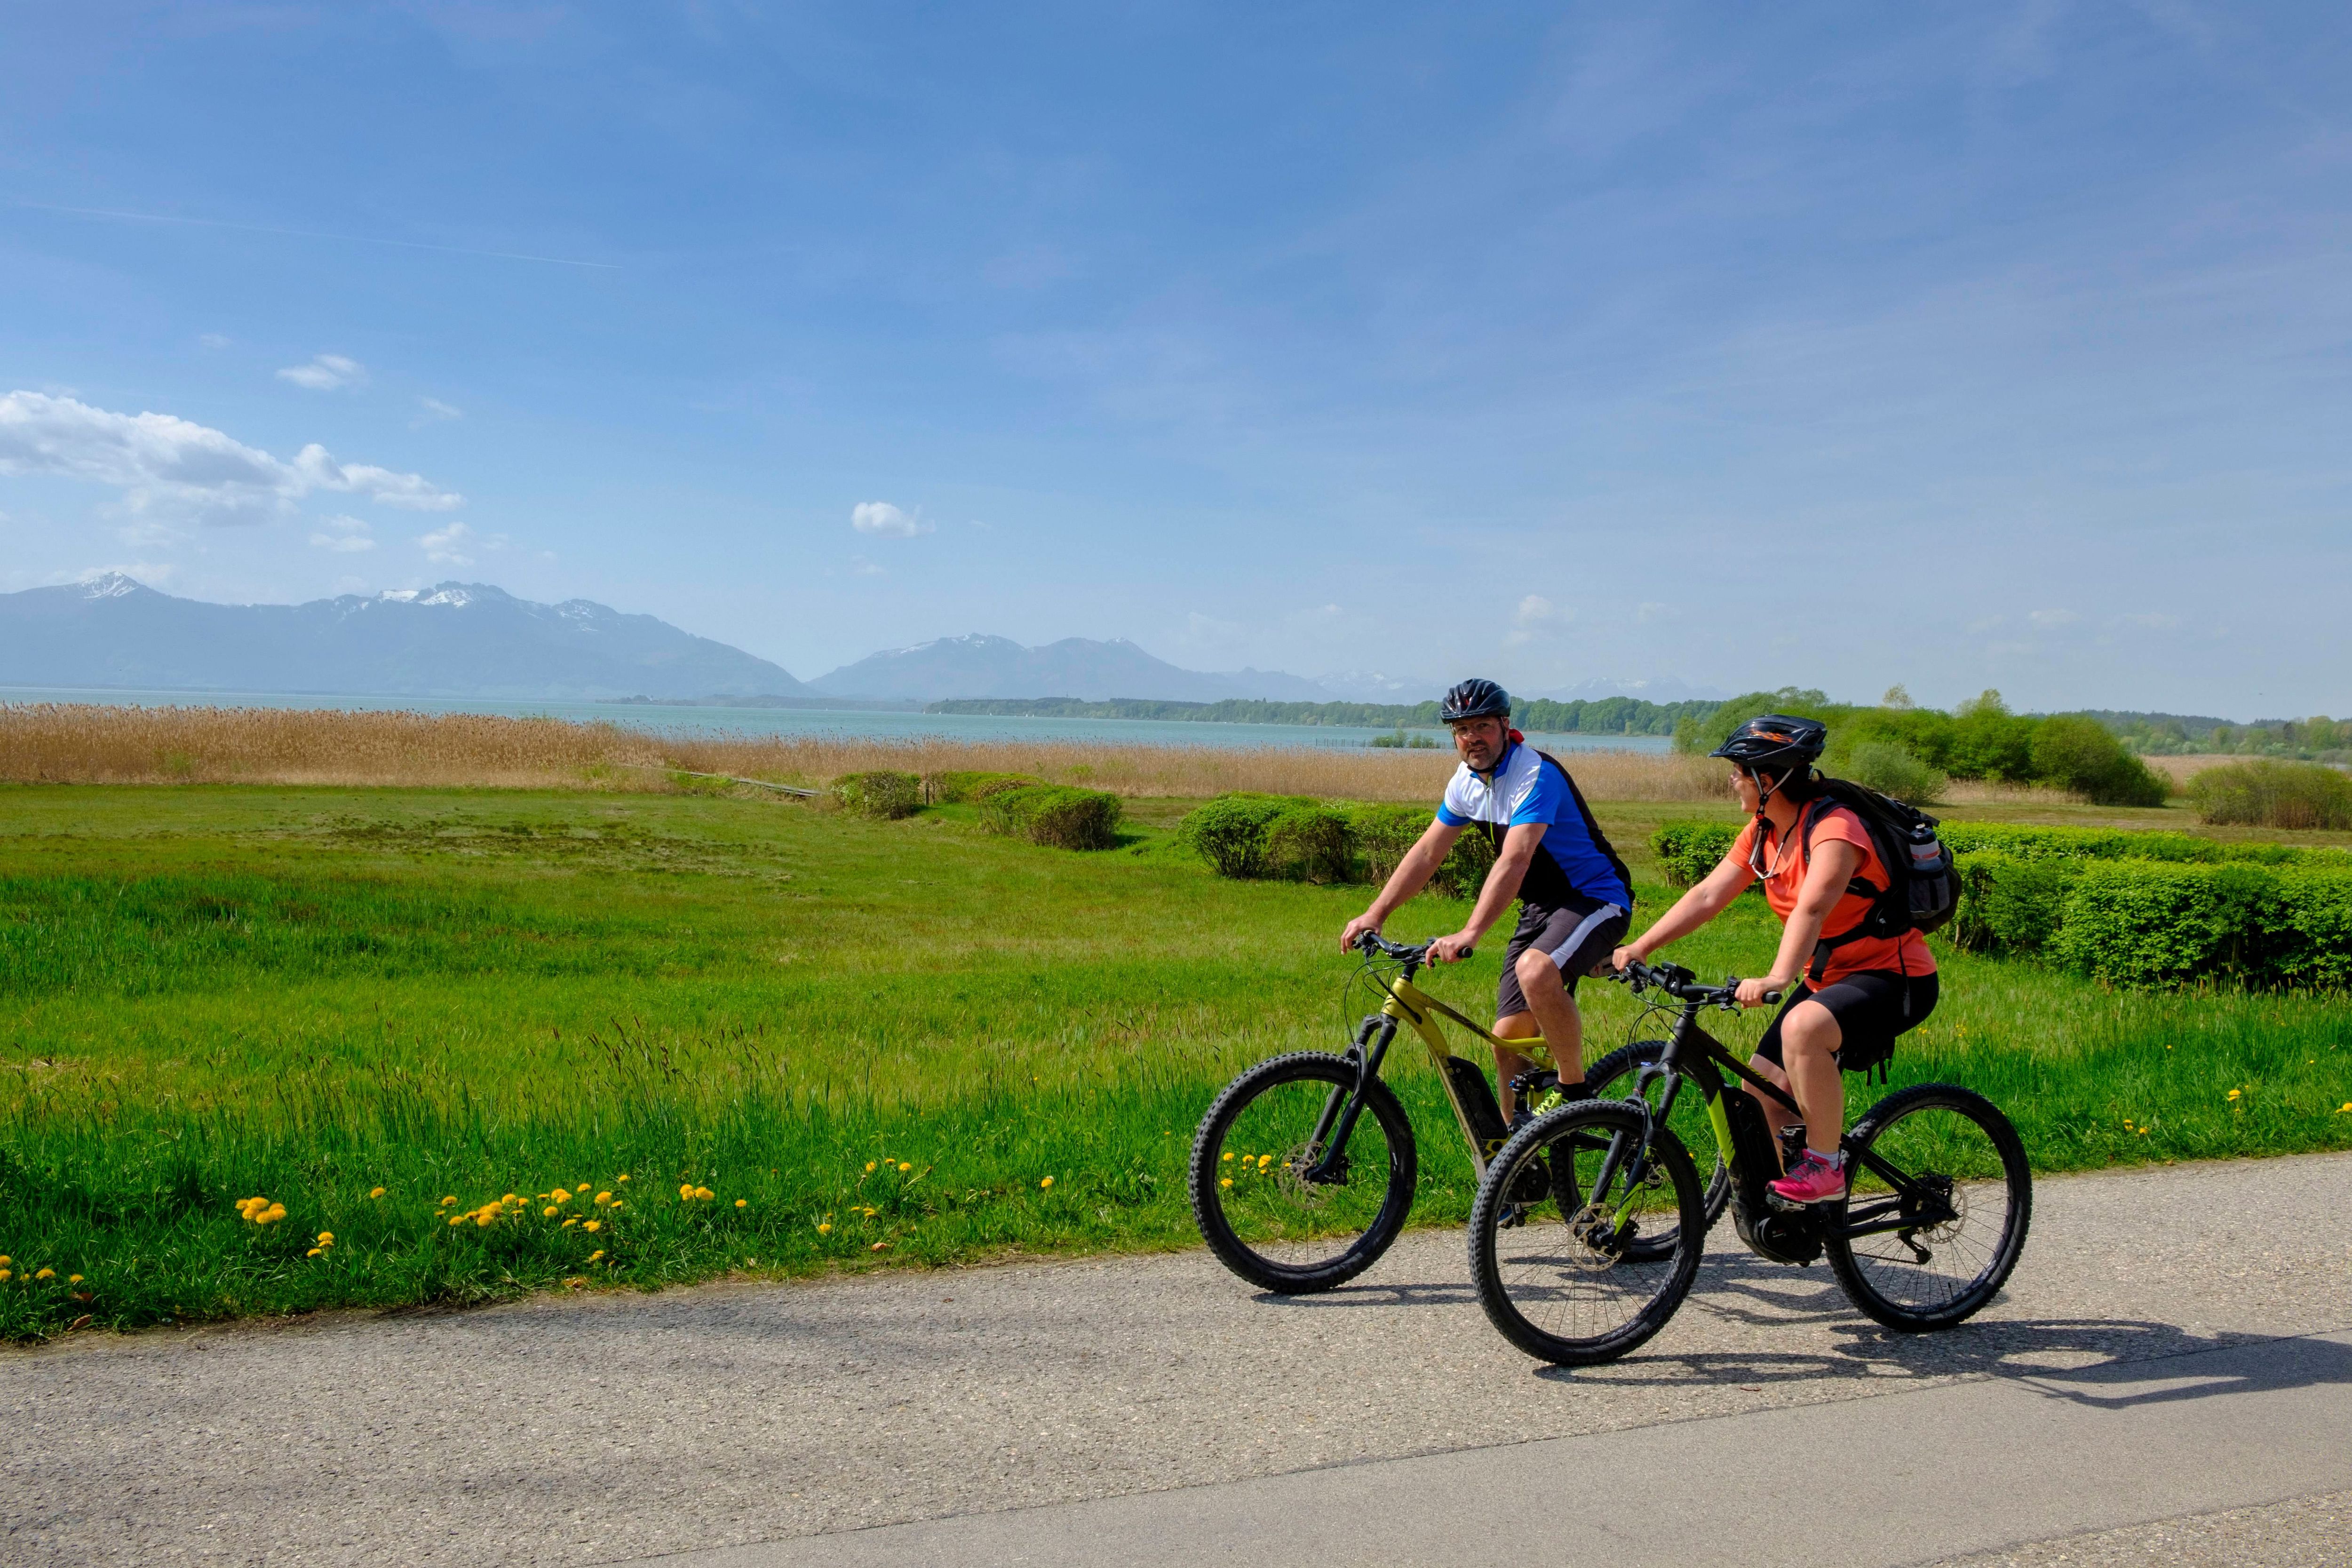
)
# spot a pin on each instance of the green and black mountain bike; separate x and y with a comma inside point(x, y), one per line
point(1589, 1220)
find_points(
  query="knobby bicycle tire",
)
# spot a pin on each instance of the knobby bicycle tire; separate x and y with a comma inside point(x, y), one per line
point(1210, 1165)
point(1929, 1299)
point(1560, 1268)
point(1613, 1076)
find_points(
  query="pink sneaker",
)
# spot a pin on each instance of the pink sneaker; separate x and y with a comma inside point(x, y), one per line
point(1812, 1180)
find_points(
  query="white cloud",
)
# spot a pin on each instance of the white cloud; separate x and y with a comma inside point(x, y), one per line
point(886, 522)
point(436, 409)
point(349, 535)
point(214, 340)
point(449, 545)
point(163, 463)
point(1533, 608)
point(327, 373)
point(2049, 620)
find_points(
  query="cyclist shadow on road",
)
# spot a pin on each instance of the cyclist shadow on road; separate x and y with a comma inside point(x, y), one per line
point(2109, 1363)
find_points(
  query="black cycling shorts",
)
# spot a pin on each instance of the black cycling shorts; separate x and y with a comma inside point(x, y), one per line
point(1575, 935)
point(1871, 1008)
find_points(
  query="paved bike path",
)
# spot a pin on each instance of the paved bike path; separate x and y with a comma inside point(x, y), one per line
point(623, 1427)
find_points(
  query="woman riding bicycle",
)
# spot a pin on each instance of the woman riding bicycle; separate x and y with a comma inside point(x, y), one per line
point(1820, 876)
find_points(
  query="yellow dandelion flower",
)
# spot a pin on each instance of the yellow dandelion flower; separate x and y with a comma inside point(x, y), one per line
point(869, 1165)
point(603, 1199)
point(376, 1192)
point(593, 1224)
point(326, 1239)
point(581, 1187)
point(625, 1175)
point(686, 1189)
point(486, 1218)
point(618, 1206)
point(5, 1260)
point(1264, 1160)
point(2347, 1110)
point(547, 1213)
point(450, 1199)
point(457, 1219)
point(1047, 1183)
point(560, 1196)
point(5, 1275)
point(825, 1229)
point(568, 1223)
point(47, 1274)
point(1226, 1181)
point(273, 1213)
point(742, 1202)
point(1226, 1156)
point(595, 1255)
point(509, 1198)
point(73, 1278)
point(904, 1167)
point(2233, 1094)
point(312, 1253)
point(702, 1193)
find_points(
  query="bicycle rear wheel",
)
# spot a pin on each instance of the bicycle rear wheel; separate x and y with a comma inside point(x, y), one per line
point(1942, 1196)
point(1288, 1213)
point(1616, 1077)
point(1568, 1280)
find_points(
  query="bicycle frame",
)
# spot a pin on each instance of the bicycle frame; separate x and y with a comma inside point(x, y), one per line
point(1475, 1107)
point(1751, 1153)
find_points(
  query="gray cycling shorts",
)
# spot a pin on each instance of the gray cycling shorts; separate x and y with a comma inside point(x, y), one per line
point(1575, 935)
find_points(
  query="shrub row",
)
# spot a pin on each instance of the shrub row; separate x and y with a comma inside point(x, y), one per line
point(883, 793)
point(2158, 923)
point(1687, 851)
point(965, 787)
point(1300, 839)
point(1053, 814)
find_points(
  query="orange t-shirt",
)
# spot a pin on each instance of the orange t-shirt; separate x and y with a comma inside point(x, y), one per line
point(1785, 877)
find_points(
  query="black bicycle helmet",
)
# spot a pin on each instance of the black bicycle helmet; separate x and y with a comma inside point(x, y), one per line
point(1476, 699)
point(1769, 738)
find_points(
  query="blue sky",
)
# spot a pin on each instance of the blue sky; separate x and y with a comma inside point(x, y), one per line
point(1837, 345)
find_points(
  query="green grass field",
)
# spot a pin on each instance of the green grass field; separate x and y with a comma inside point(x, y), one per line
point(871, 1043)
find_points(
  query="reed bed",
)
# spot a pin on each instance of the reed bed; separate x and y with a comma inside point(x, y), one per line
point(92, 744)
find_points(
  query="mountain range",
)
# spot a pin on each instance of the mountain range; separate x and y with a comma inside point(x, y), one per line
point(458, 640)
point(473, 641)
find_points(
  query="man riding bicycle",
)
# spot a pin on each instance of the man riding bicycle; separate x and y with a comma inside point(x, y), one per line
point(1575, 894)
point(1853, 992)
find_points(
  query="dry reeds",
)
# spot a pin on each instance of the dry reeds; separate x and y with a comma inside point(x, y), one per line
point(89, 743)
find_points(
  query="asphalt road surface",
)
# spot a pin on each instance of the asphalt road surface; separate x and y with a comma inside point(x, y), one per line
point(2166, 1380)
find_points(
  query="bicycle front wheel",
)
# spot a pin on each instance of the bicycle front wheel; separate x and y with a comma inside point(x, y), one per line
point(1938, 1210)
point(1284, 1208)
point(1618, 1074)
point(1570, 1277)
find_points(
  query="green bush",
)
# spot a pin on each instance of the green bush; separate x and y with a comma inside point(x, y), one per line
point(1384, 834)
point(2079, 754)
point(2273, 794)
point(1888, 767)
point(963, 788)
point(1247, 834)
point(1312, 842)
point(1687, 851)
point(1053, 815)
point(2022, 843)
point(1230, 832)
point(882, 794)
point(2153, 924)
point(2011, 905)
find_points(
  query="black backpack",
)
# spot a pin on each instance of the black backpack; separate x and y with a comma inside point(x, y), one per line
point(1923, 888)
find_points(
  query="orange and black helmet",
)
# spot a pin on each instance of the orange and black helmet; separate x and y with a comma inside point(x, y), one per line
point(1770, 738)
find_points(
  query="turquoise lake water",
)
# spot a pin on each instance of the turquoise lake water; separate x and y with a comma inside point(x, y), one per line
point(887, 723)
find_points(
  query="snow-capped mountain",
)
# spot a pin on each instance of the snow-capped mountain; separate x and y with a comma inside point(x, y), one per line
point(982, 666)
point(458, 640)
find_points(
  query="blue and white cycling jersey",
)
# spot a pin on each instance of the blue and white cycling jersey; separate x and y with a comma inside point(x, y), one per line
point(1574, 856)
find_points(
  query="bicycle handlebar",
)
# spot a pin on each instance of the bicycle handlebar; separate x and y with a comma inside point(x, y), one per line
point(1372, 941)
point(1683, 986)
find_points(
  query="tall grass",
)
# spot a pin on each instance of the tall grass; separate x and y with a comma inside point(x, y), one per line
point(90, 743)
